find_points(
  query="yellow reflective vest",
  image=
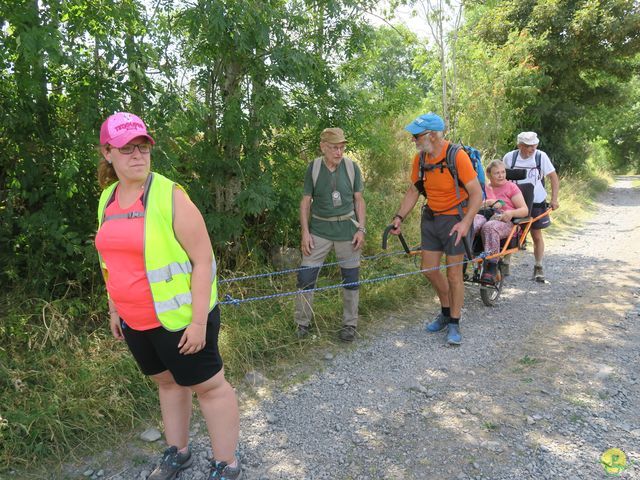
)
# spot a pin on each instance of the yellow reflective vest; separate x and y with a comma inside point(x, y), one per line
point(167, 265)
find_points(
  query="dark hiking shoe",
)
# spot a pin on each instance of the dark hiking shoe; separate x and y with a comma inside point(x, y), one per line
point(504, 269)
point(347, 333)
point(222, 471)
point(453, 334)
point(538, 274)
point(439, 323)
point(488, 276)
point(302, 331)
point(172, 462)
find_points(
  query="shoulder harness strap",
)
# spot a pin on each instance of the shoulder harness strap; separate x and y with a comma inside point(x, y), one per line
point(421, 167)
point(315, 170)
point(351, 170)
point(514, 157)
point(452, 152)
point(348, 163)
point(539, 166)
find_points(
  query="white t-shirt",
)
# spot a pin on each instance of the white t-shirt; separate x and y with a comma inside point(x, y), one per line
point(533, 176)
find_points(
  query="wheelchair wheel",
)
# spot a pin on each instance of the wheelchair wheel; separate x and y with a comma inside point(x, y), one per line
point(490, 293)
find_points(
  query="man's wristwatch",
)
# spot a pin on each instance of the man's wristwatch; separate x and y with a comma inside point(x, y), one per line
point(362, 229)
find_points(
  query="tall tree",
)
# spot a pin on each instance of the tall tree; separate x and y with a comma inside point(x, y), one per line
point(584, 52)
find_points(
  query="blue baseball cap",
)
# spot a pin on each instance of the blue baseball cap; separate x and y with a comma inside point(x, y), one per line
point(428, 121)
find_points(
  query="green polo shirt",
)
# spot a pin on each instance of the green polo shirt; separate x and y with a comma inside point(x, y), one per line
point(322, 204)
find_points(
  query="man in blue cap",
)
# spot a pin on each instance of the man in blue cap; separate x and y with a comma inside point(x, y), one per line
point(447, 216)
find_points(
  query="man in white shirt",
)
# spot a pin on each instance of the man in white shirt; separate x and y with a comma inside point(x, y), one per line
point(538, 166)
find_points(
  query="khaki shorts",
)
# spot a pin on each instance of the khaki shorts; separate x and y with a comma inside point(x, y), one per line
point(344, 253)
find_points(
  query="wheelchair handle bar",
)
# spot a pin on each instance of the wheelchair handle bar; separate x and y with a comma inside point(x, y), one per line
point(385, 237)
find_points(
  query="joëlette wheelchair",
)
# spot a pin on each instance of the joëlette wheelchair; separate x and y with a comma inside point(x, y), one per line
point(475, 255)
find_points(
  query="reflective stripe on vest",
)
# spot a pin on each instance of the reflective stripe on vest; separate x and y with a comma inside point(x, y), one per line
point(166, 274)
point(167, 265)
point(173, 304)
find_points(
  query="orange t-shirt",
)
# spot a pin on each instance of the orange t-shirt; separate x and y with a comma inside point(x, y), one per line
point(438, 183)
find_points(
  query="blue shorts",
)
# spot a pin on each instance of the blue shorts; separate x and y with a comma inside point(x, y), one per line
point(539, 209)
point(156, 350)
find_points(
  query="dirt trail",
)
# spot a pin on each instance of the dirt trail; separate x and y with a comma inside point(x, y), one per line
point(543, 384)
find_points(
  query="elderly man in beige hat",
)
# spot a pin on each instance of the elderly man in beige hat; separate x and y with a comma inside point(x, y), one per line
point(332, 216)
point(538, 166)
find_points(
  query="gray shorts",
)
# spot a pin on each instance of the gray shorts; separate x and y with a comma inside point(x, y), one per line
point(435, 234)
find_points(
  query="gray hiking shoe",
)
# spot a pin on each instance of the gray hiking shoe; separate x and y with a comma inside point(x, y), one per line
point(222, 471)
point(302, 331)
point(439, 323)
point(505, 269)
point(171, 464)
point(538, 274)
point(347, 333)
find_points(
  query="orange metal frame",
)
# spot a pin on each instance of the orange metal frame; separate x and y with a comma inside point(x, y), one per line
point(525, 226)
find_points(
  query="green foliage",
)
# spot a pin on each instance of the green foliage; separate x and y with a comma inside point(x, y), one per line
point(583, 54)
point(62, 379)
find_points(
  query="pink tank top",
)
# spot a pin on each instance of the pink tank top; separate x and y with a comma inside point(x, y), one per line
point(120, 244)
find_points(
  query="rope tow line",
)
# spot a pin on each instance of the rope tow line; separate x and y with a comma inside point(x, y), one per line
point(229, 300)
point(293, 270)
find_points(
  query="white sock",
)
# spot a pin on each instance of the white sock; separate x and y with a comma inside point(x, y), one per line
point(232, 465)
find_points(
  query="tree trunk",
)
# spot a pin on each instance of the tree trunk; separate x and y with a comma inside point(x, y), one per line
point(134, 70)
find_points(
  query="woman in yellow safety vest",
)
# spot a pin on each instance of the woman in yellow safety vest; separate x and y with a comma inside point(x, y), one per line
point(160, 273)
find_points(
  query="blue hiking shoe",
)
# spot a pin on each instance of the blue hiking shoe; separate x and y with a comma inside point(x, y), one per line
point(453, 334)
point(439, 323)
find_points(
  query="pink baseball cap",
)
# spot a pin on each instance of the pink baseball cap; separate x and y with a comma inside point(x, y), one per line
point(122, 127)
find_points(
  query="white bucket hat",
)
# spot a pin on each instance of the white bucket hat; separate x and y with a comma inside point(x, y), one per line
point(528, 138)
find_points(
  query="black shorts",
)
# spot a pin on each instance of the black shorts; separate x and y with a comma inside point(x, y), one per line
point(539, 209)
point(156, 350)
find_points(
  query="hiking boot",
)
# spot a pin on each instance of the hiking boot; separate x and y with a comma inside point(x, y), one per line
point(172, 462)
point(222, 471)
point(453, 334)
point(347, 333)
point(302, 331)
point(504, 269)
point(438, 323)
point(538, 274)
point(488, 276)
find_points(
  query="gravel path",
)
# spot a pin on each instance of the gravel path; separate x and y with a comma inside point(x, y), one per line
point(541, 386)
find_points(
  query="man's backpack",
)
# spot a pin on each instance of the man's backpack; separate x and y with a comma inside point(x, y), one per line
point(449, 162)
point(514, 158)
point(348, 163)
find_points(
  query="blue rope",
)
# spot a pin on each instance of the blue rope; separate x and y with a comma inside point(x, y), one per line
point(292, 270)
point(229, 300)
